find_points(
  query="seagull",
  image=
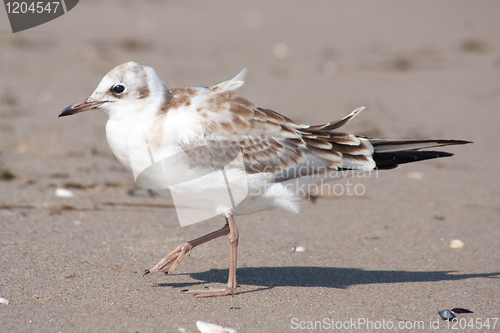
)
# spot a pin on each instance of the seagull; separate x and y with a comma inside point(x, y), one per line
point(200, 131)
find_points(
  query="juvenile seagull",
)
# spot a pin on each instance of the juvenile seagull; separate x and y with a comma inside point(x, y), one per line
point(207, 127)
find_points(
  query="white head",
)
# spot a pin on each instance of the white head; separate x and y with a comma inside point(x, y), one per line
point(127, 88)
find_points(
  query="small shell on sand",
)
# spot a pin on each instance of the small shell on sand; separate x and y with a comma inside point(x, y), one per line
point(446, 314)
point(64, 193)
point(4, 301)
point(213, 328)
point(456, 244)
point(298, 249)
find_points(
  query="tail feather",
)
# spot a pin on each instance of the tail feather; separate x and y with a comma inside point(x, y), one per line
point(388, 154)
point(362, 153)
point(386, 146)
point(386, 161)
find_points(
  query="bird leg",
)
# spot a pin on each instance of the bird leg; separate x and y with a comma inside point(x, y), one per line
point(231, 283)
point(173, 259)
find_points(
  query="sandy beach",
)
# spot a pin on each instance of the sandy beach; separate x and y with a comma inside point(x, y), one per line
point(422, 69)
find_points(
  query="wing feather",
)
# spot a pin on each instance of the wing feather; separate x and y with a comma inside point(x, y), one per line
point(271, 142)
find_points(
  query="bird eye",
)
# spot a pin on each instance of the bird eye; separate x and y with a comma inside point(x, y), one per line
point(118, 89)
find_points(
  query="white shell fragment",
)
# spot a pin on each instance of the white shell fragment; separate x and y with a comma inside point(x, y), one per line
point(64, 193)
point(298, 249)
point(456, 244)
point(4, 301)
point(213, 328)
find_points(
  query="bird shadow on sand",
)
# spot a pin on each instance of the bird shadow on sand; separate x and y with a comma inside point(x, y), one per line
point(329, 277)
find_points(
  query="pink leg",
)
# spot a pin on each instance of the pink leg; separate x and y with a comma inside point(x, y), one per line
point(173, 259)
point(231, 283)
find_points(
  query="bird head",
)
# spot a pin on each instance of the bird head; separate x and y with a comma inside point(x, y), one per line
point(126, 89)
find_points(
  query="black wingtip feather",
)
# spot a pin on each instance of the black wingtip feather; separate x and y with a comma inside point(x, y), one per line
point(386, 161)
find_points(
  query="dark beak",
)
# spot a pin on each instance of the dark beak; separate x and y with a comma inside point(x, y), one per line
point(84, 105)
